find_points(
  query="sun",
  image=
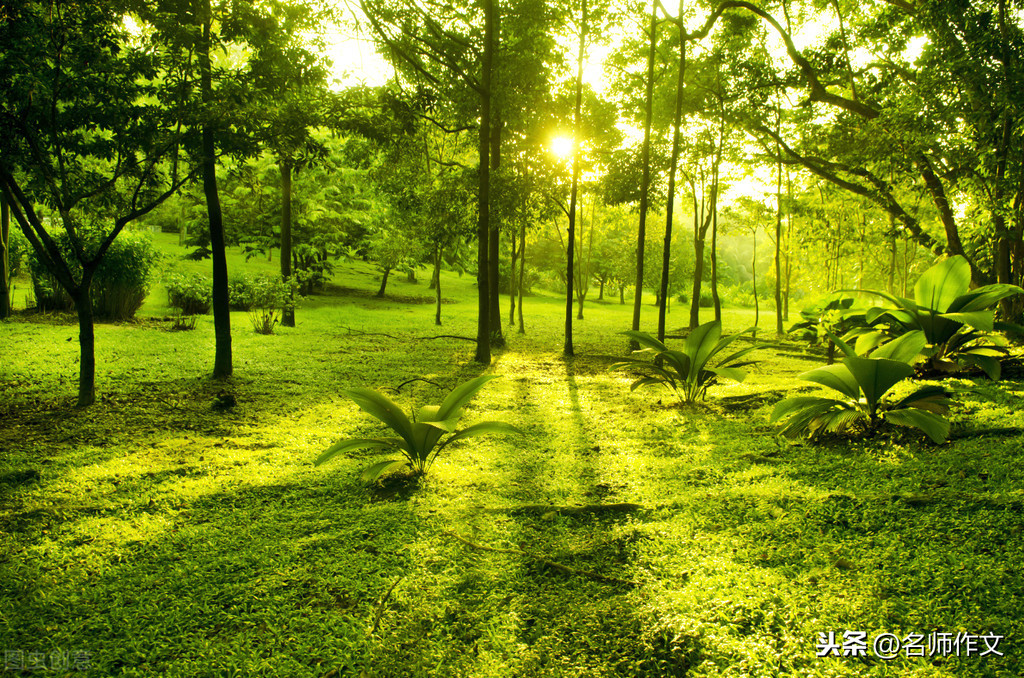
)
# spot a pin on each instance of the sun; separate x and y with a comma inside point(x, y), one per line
point(562, 147)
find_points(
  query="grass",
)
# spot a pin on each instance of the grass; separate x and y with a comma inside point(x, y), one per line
point(164, 534)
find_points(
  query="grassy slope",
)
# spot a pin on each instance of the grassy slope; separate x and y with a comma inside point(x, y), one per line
point(163, 536)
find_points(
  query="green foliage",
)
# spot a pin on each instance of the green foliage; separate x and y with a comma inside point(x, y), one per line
point(266, 296)
point(119, 286)
point(863, 383)
point(957, 323)
point(817, 321)
point(191, 293)
point(688, 372)
point(419, 437)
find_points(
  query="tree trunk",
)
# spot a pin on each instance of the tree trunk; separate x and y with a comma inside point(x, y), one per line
point(383, 283)
point(714, 263)
point(622, 295)
point(778, 246)
point(512, 285)
point(891, 285)
point(221, 311)
point(410, 276)
point(522, 270)
point(645, 178)
point(86, 343)
point(288, 313)
point(753, 274)
point(677, 124)
point(437, 283)
point(571, 249)
point(483, 331)
point(5, 257)
point(493, 244)
point(600, 291)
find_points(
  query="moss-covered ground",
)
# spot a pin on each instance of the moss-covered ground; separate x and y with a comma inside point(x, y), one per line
point(162, 533)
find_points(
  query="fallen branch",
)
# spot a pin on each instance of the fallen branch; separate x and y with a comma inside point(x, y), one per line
point(380, 605)
point(446, 336)
point(550, 563)
point(541, 509)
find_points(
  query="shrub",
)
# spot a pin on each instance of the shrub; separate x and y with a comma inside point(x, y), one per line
point(687, 372)
point(418, 436)
point(863, 383)
point(190, 293)
point(241, 293)
point(266, 297)
point(119, 286)
point(706, 300)
point(956, 322)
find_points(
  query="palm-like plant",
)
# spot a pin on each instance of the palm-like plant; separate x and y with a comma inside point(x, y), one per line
point(957, 322)
point(419, 436)
point(864, 382)
point(688, 372)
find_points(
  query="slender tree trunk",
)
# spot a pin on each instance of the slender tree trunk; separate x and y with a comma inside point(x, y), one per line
point(622, 295)
point(512, 285)
point(779, 331)
point(86, 343)
point(222, 364)
point(436, 278)
point(383, 283)
point(493, 244)
point(892, 255)
point(600, 291)
point(571, 249)
point(522, 272)
point(645, 178)
point(789, 241)
point(5, 257)
point(677, 124)
point(753, 274)
point(288, 314)
point(714, 263)
point(483, 331)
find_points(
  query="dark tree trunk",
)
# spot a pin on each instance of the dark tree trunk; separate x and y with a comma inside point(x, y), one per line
point(600, 290)
point(383, 283)
point(568, 349)
point(483, 332)
point(714, 263)
point(677, 124)
point(622, 295)
point(5, 257)
point(645, 177)
point(221, 311)
point(779, 331)
point(437, 285)
point(86, 343)
point(493, 244)
point(753, 273)
point(522, 272)
point(512, 285)
point(288, 313)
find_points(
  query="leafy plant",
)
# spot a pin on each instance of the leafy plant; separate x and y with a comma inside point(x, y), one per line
point(957, 323)
point(419, 436)
point(833, 316)
point(864, 382)
point(688, 372)
point(190, 293)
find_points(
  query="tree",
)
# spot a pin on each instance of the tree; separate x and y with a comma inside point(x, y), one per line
point(68, 163)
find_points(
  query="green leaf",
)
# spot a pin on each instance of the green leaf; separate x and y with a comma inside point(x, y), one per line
point(989, 365)
point(876, 376)
point(700, 345)
point(940, 285)
point(836, 377)
point(979, 320)
point(934, 426)
point(903, 348)
point(461, 395)
point(358, 443)
point(646, 340)
point(931, 398)
point(984, 297)
point(480, 429)
point(383, 409)
point(733, 373)
point(373, 472)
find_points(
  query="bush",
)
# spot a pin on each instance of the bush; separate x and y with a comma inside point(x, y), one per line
point(242, 293)
point(266, 297)
point(706, 300)
point(119, 286)
point(190, 293)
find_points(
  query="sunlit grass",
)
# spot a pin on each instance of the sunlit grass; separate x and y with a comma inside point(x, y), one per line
point(165, 536)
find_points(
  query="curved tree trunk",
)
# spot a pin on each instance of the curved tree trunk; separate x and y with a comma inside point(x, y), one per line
point(436, 283)
point(221, 311)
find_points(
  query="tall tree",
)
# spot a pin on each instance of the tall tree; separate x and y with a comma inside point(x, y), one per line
point(62, 156)
point(676, 147)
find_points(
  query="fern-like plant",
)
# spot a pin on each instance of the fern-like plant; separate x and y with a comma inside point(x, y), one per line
point(864, 382)
point(419, 436)
point(688, 373)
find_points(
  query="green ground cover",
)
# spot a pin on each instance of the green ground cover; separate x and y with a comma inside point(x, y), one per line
point(162, 533)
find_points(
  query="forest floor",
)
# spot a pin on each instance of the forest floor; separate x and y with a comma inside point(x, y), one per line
point(166, 532)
